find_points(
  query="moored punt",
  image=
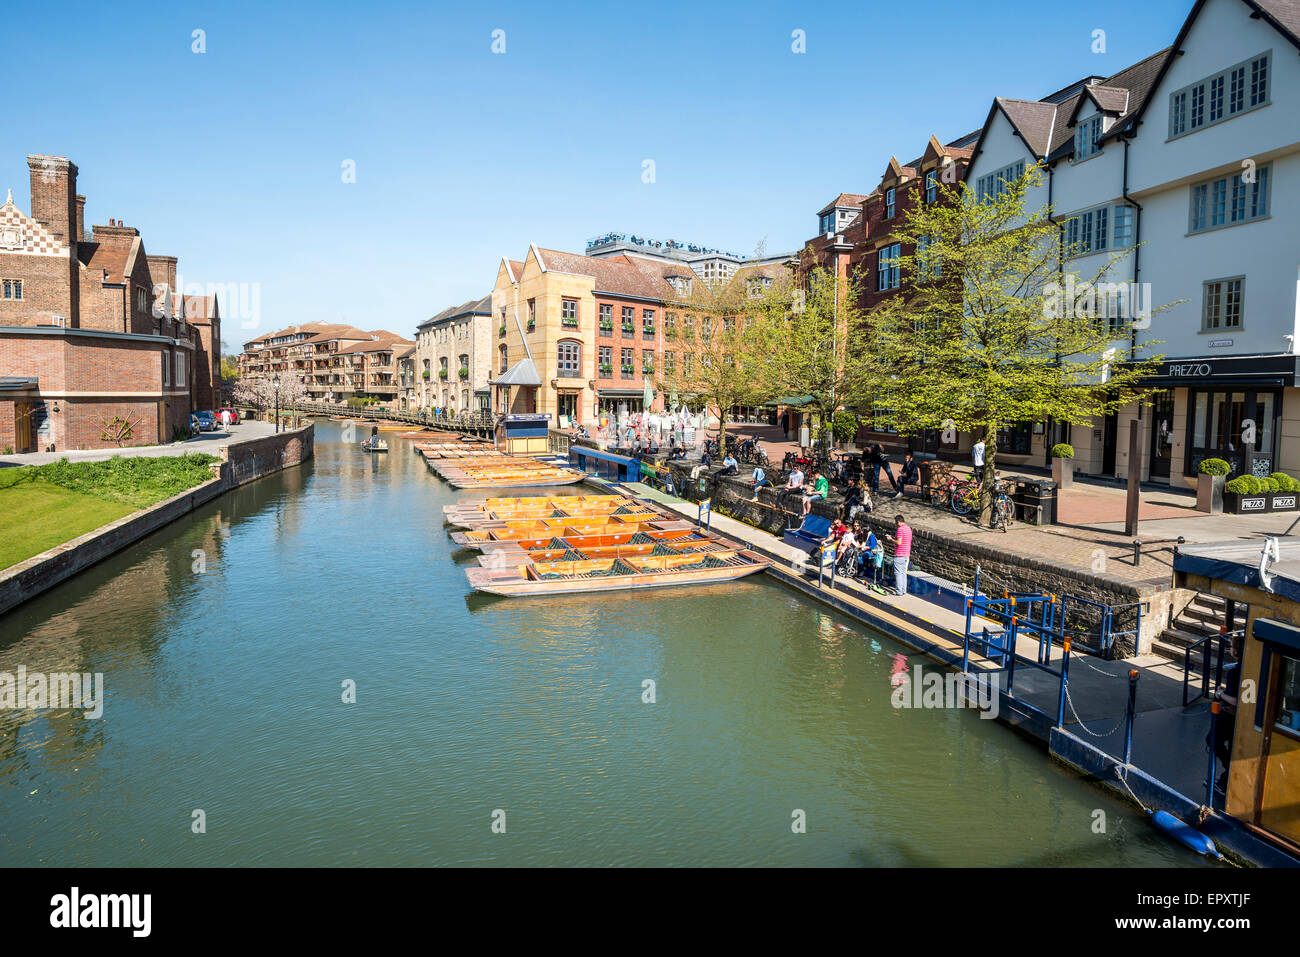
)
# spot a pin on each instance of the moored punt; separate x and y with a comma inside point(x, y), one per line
point(511, 473)
point(529, 578)
point(483, 505)
point(563, 529)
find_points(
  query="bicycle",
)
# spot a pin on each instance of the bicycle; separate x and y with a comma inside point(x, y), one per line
point(963, 495)
point(1001, 509)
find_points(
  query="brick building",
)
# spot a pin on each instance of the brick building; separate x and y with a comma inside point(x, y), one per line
point(96, 349)
point(334, 361)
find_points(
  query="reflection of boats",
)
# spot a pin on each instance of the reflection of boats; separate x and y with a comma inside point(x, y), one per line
point(374, 444)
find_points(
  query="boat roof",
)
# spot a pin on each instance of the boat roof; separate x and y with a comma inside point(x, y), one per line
point(1238, 562)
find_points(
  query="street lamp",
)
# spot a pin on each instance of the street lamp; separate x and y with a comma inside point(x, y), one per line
point(275, 383)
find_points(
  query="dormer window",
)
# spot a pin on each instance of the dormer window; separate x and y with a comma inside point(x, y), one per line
point(931, 186)
point(890, 206)
point(1087, 136)
point(828, 222)
point(754, 287)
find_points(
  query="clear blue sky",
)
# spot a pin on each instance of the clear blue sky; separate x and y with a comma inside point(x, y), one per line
point(232, 159)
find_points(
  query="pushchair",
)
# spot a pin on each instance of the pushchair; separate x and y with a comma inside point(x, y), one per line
point(846, 562)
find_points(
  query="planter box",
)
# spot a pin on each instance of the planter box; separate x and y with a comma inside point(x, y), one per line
point(1283, 501)
point(1246, 504)
point(1209, 493)
point(1063, 472)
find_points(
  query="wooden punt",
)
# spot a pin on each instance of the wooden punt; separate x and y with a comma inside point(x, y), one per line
point(475, 509)
point(528, 578)
point(477, 537)
point(680, 531)
point(513, 478)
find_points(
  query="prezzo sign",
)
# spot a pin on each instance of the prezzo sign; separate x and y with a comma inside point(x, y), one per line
point(1190, 370)
point(1283, 501)
point(1252, 504)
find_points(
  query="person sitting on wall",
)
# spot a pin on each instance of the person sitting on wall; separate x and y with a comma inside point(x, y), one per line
point(759, 481)
point(820, 489)
point(910, 475)
point(729, 465)
point(793, 485)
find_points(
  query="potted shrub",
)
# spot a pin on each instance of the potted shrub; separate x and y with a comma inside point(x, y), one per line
point(1285, 496)
point(1063, 465)
point(442, 373)
point(1213, 473)
point(1246, 494)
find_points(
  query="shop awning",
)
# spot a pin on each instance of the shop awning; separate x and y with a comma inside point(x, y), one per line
point(621, 393)
point(790, 400)
point(522, 373)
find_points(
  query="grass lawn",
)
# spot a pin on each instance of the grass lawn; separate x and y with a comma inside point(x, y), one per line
point(46, 505)
point(36, 515)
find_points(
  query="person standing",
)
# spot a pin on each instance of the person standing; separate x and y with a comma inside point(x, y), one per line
point(901, 540)
point(977, 460)
point(785, 423)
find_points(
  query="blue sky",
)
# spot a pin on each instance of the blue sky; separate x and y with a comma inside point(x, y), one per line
point(232, 159)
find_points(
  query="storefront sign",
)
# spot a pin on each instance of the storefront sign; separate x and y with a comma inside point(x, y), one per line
point(1220, 343)
point(1190, 370)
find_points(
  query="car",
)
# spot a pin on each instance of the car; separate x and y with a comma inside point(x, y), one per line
point(233, 413)
point(204, 421)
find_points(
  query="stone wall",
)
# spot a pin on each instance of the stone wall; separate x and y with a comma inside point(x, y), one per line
point(954, 558)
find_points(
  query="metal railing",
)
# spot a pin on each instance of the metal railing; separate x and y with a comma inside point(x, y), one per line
point(1208, 650)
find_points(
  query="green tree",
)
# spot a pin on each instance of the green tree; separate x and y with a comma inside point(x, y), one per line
point(713, 340)
point(992, 329)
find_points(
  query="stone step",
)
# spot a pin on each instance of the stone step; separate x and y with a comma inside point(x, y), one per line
point(1166, 650)
point(1177, 637)
point(1195, 626)
point(1211, 616)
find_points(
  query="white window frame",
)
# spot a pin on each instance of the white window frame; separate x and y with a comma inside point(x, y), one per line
point(1095, 230)
point(887, 276)
point(180, 369)
point(891, 205)
point(1087, 138)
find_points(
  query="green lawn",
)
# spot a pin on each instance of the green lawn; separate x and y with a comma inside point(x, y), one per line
point(35, 515)
point(43, 506)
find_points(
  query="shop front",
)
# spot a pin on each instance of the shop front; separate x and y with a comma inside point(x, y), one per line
point(1226, 408)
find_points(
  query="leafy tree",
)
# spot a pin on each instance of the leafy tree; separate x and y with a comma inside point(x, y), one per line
point(713, 342)
point(991, 330)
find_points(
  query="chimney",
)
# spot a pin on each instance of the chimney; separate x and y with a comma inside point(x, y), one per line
point(54, 194)
point(81, 217)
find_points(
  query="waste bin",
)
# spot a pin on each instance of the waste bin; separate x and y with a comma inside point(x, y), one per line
point(1035, 501)
point(935, 476)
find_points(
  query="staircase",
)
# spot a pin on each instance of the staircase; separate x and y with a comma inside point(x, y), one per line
point(1204, 616)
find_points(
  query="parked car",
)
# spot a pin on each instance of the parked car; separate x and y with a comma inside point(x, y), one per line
point(234, 414)
point(204, 421)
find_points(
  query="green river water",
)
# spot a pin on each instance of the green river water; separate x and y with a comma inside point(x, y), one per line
point(223, 692)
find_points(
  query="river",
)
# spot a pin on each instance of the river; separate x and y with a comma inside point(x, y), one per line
point(226, 640)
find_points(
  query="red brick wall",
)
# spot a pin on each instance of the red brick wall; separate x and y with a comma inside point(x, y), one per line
point(46, 290)
point(8, 438)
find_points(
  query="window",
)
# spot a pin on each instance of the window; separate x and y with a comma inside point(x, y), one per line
point(990, 187)
point(1095, 230)
point(754, 287)
point(887, 267)
point(628, 313)
point(627, 368)
point(1228, 200)
point(166, 364)
point(463, 372)
point(569, 313)
point(13, 289)
point(890, 206)
point(1086, 137)
point(931, 186)
point(605, 356)
point(606, 317)
point(687, 363)
point(180, 369)
point(501, 350)
point(647, 323)
point(648, 363)
point(1238, 89)
point(532, 314)
point(688, 326)
point(670, 363)
point(827, 223)
point(670, 323)
point(927, 264)
point(570, 359)
point(706, 328)
point(1222, 308)
point(140, 301)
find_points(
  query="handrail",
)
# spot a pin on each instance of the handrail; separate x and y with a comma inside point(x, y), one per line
point(1223, 637)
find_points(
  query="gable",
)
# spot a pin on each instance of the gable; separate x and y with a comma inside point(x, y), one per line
point(22, 235)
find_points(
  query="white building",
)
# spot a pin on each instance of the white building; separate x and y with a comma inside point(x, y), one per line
point(1190, 157)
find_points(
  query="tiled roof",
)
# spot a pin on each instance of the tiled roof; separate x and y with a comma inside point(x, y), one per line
point(844, 199)
point(1284, 13)
point(617, 274)
point(1033, 120)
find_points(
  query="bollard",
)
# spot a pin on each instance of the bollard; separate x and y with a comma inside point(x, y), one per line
point(1129, 714)
point(1209, 781)
point(1137, 552)
point(1011, 650)
point(1065, 677)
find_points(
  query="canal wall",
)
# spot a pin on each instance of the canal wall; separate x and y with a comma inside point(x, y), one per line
point(954, 558)
point(241, 462)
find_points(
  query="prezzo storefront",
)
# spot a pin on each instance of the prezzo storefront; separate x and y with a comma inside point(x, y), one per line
point(1238, 409)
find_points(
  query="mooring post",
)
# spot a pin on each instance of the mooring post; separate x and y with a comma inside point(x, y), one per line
point(1129, 714)
point(1065, 677)
point(1209, 778)
point(1011, 663)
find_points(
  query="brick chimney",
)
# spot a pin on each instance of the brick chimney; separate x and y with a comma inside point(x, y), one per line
point(81, 217)
point(162, 270)
point(54, 196)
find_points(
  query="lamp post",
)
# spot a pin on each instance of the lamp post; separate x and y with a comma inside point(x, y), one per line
point(275, 383)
